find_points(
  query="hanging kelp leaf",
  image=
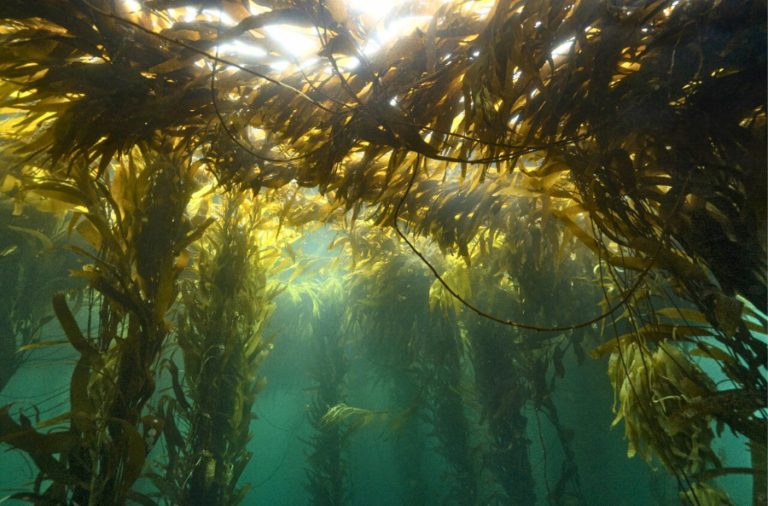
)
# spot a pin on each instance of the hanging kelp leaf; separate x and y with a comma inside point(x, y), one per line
point(42, 344)
point(134, 453)
point(728, 312)
point(650, 333)
point(40, 447)
point(172, 65)
point(80, 403)
point(707, 350)
point(692, 315)
point(557, 360)
point(71, 328)
point(666, 259)
point(90, 233)
point(358, 418)
point(181, 398)
point(577, 231)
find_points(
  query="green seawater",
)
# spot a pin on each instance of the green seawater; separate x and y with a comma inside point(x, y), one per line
point(429, 460)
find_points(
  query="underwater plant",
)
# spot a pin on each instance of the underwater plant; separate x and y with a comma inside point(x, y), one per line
point(418, 351)
point(30, 251)
point(220, 334)
point(327, 469)
point(669, 404)
point(534, 139)
point(134, 219)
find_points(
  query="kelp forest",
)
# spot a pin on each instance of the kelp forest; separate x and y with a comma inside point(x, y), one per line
point(391, 252)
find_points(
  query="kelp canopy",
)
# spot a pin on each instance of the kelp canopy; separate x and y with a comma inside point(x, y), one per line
point(510, 179)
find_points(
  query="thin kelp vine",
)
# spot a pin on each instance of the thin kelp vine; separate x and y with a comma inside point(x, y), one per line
point(594, 167)
point(220, 334)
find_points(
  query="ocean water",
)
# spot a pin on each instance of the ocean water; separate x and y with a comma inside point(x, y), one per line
point(443, 454)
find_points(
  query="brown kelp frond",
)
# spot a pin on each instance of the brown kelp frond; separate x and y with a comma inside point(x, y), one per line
point(221, 338)
point(521, 148)
point(135, 231)
point(359, 418)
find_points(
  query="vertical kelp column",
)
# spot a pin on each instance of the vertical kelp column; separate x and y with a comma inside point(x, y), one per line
point(503, 394)
point(220, 335)
point(133, 216)
point(107, 154)
point(382, 310)
point(525, 266)
point(421, 352)
point(139, 226)
point(446, 409)
point(327, 469)
point(145, 238)
point(410, 444)
point(501, 382)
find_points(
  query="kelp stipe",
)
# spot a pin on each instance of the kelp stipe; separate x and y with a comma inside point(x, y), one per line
point(134, 218)
point(416, 349)
point(328, 463)
point(381, 315)
point(220, 334)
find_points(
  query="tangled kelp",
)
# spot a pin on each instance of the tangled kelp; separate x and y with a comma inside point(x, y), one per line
point(220, 336)
point(536, 139)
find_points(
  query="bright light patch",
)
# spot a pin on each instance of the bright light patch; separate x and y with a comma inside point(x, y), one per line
point(398, 27)
point(563, 48)
point(371, 47)
point(214, 15)
point(280, 65)
point(350, 63)
point(308, 63)
point(132, 6)
point(257, 133)
point(483, 12)
point(377, 8)
point(238, 47)
point(296, 43)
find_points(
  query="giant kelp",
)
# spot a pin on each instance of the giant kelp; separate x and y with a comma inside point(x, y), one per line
point(419, 351)
point(30, 253)
point(135, 223)
point(328, 464)
point(220, 336)
point(506, 131)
